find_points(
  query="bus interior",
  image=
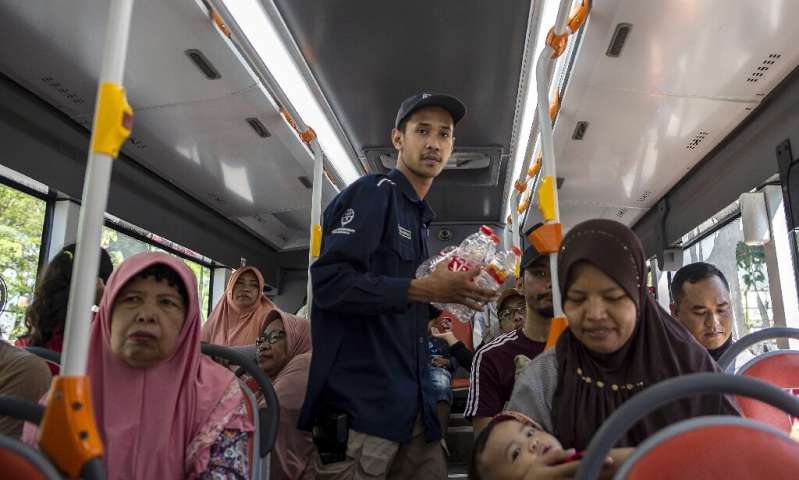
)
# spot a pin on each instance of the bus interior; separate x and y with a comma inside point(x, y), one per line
point(676, 118)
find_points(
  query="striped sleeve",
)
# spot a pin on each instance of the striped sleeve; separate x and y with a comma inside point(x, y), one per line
point(485, 399)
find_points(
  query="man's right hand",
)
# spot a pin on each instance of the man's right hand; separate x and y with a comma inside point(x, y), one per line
point(445, 286)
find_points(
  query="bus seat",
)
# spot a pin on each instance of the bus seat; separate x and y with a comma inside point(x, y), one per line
point(779, 368)
point(20, 461)
point(727, 360)
point(761, 451)
point(267, 418)
point(52, 358)
point(463, 332)
point(459, 383)
point(257, 466)
point(699, 448)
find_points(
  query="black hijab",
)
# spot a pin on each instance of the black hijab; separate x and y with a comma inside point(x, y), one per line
point(592, 385)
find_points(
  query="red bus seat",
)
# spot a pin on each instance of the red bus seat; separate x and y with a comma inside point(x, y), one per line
point(463, 332)
point(251, 403)
point(21, 462)
point(779, 368)
point(706, 448)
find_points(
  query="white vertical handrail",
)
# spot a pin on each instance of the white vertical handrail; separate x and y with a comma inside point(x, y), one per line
point(513, 233)
point(316, 217)
point(544, 68)
point(95, 198)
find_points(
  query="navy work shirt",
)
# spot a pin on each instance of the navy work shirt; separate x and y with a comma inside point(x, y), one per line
point(370, 357)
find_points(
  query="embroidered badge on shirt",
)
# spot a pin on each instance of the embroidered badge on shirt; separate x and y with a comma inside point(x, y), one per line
point(348, 216)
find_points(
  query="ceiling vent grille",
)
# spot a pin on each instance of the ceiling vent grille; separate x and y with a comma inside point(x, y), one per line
point(306, 182)
point(620, 212)
point(644, 196)
point(203, 64)
point(63, 91)
point(259, 127)
point(760, 71)
point(697, 139)
point(619, 39)
point(579, 130)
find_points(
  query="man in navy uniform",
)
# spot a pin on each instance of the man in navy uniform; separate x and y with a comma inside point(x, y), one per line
point(369, 398)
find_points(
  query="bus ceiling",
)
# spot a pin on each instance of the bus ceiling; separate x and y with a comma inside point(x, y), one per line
point(653, 88)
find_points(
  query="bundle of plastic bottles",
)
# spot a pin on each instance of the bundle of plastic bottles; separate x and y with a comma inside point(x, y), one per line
point(478, 250)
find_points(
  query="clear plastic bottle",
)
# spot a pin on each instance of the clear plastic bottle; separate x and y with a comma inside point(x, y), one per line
point(499, 269)
point(427, 267)
point(476, 250)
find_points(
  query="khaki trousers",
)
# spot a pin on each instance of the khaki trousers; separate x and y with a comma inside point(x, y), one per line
point(370, 457)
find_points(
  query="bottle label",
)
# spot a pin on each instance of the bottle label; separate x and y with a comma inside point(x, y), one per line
point(458, 264)
point(498, 275)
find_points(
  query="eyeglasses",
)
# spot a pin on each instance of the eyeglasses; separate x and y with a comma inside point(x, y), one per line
point(540, 274)
point(270, 339)
point(507, 313)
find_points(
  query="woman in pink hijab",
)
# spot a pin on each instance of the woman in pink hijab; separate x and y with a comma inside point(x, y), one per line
point(284, 354)
point(238, 318)
point(163, 409)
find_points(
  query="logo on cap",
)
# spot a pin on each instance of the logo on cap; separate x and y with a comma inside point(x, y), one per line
point(426, 95)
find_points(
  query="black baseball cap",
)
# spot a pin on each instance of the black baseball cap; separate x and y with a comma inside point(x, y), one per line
point(455, 107)
point(529, 256)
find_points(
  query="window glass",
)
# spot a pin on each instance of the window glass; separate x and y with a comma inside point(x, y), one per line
point(21, 224)
point(121, 246)
point(746, 271)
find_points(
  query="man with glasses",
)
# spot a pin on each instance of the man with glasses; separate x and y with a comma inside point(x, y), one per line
point(493, 367)
point(512, 310)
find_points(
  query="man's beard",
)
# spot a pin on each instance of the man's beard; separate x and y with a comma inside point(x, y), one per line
point(546, 312)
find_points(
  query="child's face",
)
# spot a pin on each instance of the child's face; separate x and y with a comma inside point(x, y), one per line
point(512, 449)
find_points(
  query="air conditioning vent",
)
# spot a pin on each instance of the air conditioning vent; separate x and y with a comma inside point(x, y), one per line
point(697, 139)
point(259, 127)
point(579, 130)
point(619, 39)
point(457, 161)
point(201, 61)
point(760, 71)
point(136, 143)
point(63, 91)
point(306, 182)
point(297, 220)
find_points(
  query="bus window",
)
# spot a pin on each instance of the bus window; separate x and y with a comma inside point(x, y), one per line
point(121, 246)
point(746, 271)
point(21, 225)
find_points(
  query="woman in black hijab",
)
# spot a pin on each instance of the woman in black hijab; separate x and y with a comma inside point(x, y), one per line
point(619, 342)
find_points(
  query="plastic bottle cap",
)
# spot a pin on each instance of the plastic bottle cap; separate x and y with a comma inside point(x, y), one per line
point(495, 238)
point(516, 250)
point(485, 229)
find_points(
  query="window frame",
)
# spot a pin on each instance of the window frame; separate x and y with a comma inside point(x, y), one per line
point(49, 198)
point(142, 238)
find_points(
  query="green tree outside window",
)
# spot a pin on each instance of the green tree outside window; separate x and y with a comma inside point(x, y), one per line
point(21, 224)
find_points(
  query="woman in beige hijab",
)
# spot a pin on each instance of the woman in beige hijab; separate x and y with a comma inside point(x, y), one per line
point(239, 317)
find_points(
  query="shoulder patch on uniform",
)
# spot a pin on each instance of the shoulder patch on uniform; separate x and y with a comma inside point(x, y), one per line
point(349, 214)
point(383, 180)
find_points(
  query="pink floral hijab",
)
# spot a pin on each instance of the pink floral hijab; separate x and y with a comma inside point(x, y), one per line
point(149, 417)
